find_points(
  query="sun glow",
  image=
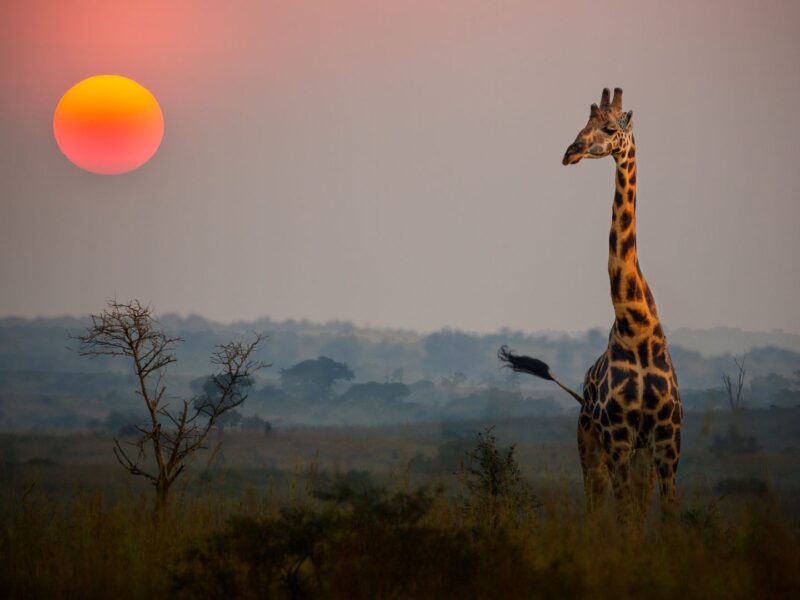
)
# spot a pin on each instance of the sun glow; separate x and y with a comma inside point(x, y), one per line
point(108, 124)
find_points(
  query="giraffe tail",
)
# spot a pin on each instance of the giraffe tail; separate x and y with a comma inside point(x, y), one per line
point(532, 366)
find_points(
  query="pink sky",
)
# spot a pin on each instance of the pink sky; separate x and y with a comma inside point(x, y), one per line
point(398, 163)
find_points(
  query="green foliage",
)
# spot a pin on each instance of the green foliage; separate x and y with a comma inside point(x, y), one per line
point(356, 536)
point(361, 542)
point(493, 482)
point(253, 556)
point(313, 380)
point(355, 539)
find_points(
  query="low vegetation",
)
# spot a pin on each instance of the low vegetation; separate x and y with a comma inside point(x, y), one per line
point(481, 531)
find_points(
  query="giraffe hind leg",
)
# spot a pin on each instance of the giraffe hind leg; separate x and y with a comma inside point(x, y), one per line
point(666, 477)
point(595, 484)
point(595, 471)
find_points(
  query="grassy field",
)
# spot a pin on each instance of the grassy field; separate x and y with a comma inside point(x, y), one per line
point(384, 513)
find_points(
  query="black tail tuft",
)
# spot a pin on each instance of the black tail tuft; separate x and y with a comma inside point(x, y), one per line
point(524, 364)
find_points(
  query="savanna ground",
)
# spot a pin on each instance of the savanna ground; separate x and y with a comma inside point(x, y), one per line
point(388, 513)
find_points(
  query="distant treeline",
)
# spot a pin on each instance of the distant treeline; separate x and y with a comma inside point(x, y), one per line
point(396, 376)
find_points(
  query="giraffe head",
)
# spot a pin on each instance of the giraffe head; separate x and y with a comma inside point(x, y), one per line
point(608, 131)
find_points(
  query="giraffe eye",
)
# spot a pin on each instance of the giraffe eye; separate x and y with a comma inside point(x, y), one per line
point(609, 130)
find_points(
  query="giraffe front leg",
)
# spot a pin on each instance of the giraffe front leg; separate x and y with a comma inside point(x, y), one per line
point(643, 480)
point(621, 482)
point(666, 455)
point(620, 453)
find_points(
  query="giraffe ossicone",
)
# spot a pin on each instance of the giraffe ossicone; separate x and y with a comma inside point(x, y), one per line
point(630, 420)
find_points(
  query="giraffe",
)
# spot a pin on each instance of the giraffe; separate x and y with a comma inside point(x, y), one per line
point(630, 420)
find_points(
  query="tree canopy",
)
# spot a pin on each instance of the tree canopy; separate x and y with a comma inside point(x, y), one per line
point(313, 379)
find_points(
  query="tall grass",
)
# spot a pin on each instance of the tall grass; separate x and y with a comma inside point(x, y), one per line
point(358, 540)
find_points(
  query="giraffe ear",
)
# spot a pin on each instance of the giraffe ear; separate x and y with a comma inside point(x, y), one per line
point(626, 121)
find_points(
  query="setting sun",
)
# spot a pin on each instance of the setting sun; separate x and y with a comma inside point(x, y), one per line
point(108, 124)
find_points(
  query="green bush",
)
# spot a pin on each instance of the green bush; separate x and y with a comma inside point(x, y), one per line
point(354, 539)
point(354, 543)
point(493, 485)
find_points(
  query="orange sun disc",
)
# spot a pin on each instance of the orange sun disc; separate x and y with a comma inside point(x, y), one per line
point(108, 124)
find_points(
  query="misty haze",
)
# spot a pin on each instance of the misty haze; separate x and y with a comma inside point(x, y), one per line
point(330, 300)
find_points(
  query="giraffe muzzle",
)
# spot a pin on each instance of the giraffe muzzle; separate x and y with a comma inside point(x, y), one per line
point(573, 154)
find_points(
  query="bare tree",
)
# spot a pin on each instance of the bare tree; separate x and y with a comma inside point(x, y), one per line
point(735, 397)
point(172, 434)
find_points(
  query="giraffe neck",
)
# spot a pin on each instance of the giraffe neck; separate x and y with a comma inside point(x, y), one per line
point(634, 305)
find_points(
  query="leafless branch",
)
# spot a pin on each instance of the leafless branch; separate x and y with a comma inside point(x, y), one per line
point(734, 391)
point(128, 329)
point(132, 466)
point(235, 366)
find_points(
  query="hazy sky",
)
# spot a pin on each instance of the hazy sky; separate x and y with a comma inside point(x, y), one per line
point(399, 163)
